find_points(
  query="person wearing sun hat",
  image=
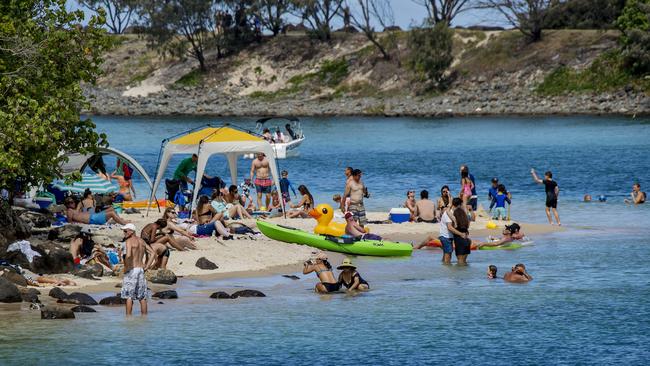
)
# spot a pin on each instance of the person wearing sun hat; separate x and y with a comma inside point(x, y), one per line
point(350, 278)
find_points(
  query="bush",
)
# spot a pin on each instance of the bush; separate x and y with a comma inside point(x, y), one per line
point(584, 14)
point(635, 25)
point(430, 53)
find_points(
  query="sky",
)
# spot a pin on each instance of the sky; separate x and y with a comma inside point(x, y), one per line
point(408, 13)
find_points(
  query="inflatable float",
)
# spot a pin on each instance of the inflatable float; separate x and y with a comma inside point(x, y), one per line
point(163, 203)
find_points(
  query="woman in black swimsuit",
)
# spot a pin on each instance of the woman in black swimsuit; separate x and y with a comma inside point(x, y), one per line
point(350, 278)
point(323, 270)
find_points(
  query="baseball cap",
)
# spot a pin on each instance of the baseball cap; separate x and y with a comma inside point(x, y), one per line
point(128, 226)
point(348, 215)
point(495, 180)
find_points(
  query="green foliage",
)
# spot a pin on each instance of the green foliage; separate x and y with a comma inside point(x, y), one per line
point(331, 73)
point(583, 14)
point(192, 78)
point(633, 17)
point(635, 25)
point(606, 73)
point(46, 53)
point(430, 53)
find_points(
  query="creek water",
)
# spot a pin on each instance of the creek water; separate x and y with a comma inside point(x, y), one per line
point(588, 303)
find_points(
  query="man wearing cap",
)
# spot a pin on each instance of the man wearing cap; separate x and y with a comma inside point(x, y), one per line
point(134, 285)
point(356, 190)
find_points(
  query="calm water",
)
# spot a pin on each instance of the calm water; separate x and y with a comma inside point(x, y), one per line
point(588, 303)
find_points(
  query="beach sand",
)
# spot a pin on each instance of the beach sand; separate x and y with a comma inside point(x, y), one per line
point(247, 256)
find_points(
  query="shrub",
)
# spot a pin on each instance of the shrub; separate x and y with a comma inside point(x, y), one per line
point(430, 53)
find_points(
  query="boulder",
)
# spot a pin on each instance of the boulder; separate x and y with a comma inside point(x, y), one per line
point(291, 277)
point(53, 259)
point(56, 312)
point(220, 295)
point(29, 294)
point(78, 298)
point(64, 233)
point(88, 271)
point(168, 294)
point(248, 293)
point(37, 219)
point(163, 276)
point(83, 309)
point(12, 228)
point(112, 301)
point(57, 293)
point(13, 277)
point(205, 263)
point(9, 292)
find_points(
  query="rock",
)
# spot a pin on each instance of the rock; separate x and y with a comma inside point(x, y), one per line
point(88, 272)
point(291, 277)
point(220, 295)
point(169, 294)
point(9, 292)
point(98, 269)
point(37, 219)
point(83, 309)
point(29, 294)
point(112, 301)
point(78, 298)
point(57, 293)
point(10, 275)
point(56, 312)
point(248, 293)
point(12, 228)
point(161, 303)
point(163, 276)
point(53, 259)
point(64, 233)
point(204, 263)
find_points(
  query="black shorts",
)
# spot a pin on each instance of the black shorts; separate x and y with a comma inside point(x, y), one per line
point(463, 246)
point(551, 202)
point(474, 203)
point(166, 253)
point(331, 287)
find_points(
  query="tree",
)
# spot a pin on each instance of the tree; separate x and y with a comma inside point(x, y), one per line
point(118, 12)
point(45, 53)
point(634, 23)
point(272, 12)
point(584, 14)
point(445, 10)
point(194, 20)
point(430, 53)
point(319, 14)
point(528, 16)
point(365, 12)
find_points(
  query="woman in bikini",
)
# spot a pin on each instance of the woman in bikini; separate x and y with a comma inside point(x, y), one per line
point(466, 187)
point(87, 203)
point(182, 236)
point(323, 270)
point(126, 187)
point(207, 220)
point(306, 203)
point(350, 278)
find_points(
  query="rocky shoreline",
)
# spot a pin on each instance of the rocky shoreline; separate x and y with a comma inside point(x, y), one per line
point(482, 99)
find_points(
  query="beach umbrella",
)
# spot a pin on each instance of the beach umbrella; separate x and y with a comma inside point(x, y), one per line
point(91, 181)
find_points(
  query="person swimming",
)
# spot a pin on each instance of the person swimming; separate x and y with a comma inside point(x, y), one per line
point(518, 274)
point(492, 272)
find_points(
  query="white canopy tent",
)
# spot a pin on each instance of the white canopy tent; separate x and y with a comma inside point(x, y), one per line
point(209, 141)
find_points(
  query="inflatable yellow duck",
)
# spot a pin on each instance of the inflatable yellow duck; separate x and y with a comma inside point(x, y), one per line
point(324, 214)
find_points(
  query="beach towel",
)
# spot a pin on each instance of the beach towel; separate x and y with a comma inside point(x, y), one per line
point(26, 248)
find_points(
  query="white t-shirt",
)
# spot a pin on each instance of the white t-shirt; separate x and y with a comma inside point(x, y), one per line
point(444, 231)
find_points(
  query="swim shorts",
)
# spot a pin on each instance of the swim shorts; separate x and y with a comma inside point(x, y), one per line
point(499, 213)
point(263, 185)
point(205, 229)
point(98, 218)
point(551, 202)
point(371, 237)
point(358, 213)
point(474, 203)
point(332, 287)
point(447, 244)
point(134, 285)
point(166, 253)
point(462, 245)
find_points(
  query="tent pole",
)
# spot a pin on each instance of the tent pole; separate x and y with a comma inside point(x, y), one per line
point(153, 194)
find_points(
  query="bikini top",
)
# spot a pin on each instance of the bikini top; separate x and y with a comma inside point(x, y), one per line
point(318, 272)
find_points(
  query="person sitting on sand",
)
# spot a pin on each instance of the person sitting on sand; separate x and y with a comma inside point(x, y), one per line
point(228, 210)
point(306, 203)
point(161, 254)
point(97, 218)
point(444, 201)
point(153, 233)
point(518, 274)
point(350, 278)
point(207, 220)
point(492, 272)
point(275, 208)
point(425, 209)
point(87, 203)
point(323, 270)
point(357, 231)
point(410, 204)
point(636, 197)
point(182, 236)
point(84, 250)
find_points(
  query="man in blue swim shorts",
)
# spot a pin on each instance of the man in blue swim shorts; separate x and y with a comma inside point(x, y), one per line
point(92, 218)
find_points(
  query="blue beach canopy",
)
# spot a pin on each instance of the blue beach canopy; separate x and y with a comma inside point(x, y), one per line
point(91, 181)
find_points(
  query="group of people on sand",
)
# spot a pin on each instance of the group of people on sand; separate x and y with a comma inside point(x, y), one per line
point(348, 277)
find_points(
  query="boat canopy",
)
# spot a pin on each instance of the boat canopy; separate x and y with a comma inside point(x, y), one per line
point(224, 140)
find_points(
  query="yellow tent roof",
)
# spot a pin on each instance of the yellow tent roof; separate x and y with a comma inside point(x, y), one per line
point(214, 134)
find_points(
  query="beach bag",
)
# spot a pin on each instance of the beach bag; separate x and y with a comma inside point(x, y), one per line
point(179, 199)
point(172, 186)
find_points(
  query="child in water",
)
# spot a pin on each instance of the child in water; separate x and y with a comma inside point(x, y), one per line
point(500, 201)
point(492, 272)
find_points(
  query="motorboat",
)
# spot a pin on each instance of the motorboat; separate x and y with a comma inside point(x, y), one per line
point(284, 139)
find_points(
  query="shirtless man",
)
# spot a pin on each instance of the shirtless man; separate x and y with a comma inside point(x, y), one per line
point(152, 233)
point(410, 204)
point(134, 285)
point(344, 203)
point(99, 218)
point(518, 274)
point(356, 231)
point(263, 183)
point(355, 190)
point(425, 209)
point(637, 197)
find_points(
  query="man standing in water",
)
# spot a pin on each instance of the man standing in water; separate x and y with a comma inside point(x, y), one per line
point(263, 183)
point(552, 194)
point(355, 190)
point(134, 285)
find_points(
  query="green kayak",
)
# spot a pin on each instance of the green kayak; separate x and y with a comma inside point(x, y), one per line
point(511, 246)
point(334, 244)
